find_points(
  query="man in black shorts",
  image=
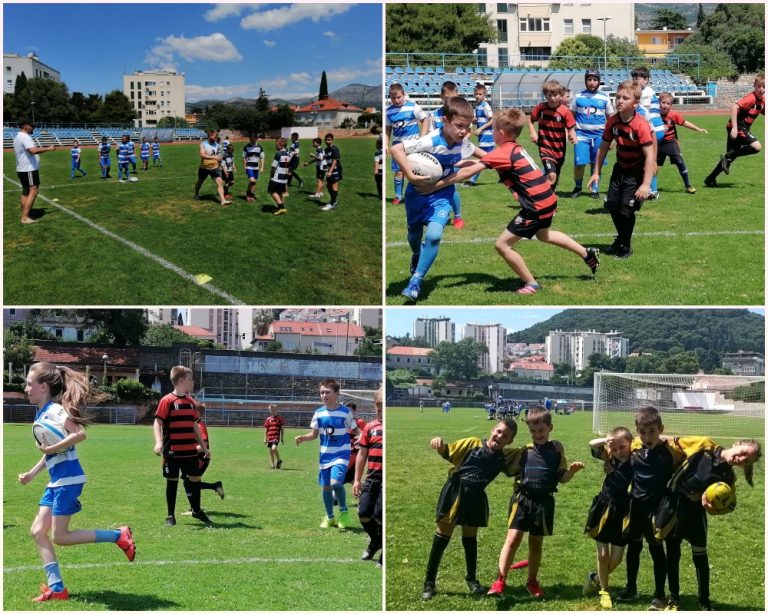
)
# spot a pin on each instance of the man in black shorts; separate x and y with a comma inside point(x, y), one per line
point(333, 173)
point(27, 167)
point(211, 155)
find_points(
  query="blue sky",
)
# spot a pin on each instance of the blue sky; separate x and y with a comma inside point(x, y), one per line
point(400, 321)
point(225, 50)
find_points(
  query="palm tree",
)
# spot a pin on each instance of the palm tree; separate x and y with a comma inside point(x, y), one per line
point(261, 322)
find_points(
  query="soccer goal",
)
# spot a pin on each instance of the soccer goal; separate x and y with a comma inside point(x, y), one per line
point(363, 400)
point(718, 406)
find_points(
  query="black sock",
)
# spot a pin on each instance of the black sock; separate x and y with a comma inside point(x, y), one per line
point(629, 228)
point(659, 568)
point(683, 173)
point(744, 150)
point(333, 193)
point(207, 485)
point(470, 556)
point(193, 494)
point(673, 567)
point(171, 487)
point(701, 563)
point(374, 534)
point(439, 544)
point(715, 171)
point(616, 217)
point(634, 548)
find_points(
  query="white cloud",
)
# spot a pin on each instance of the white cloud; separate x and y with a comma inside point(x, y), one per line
point(273, 19)
point(222, 11)
point(213, 48)
point(270, 43)
point(294, 86)
point(343, 76)
point(329, 34)
point(220, 92)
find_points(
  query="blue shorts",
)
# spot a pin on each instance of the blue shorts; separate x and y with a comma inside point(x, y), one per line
point(394, 166)
point(334, 472)
point(156, 156)
point(63, 499)
point(585, 151)
point(105, 161)
point(145, 158)
point(423, 209)
point(487, 147)
point(253, 173)
point(132, 159)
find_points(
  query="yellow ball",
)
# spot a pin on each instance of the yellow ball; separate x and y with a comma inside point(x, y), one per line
point(722, 497)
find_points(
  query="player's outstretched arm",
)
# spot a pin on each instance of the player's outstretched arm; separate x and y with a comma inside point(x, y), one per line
point(362, 459)
point(694, 127)
point(573, 469)
point(648, 169)
point(25, 478)
point(601, 153)
point(299, 439)
point(438, 445)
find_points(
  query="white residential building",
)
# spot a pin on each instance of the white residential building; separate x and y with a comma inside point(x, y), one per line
point(434, 330)
point(224, 323)
point(528, 33)
point(28, 64)
point(165, 315)
point(154, 95)
point(494, 336)
point(60, 323)
point(745, 363)
point(575, 348)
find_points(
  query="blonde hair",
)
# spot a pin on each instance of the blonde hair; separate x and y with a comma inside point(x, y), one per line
point(551, 87)
point(665, 95)
point(71, 388)
point(633, 88)
point(760, 79)
point(178, 372)
point(749, 467)
point(509, 121)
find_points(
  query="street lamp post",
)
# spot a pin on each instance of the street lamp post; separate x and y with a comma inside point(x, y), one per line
point(104, 377)
point(32, 103)
point(605, 41)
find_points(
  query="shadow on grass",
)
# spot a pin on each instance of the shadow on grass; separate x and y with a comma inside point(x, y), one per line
point(226, 514)
point(113, 600)
point(38, 213)
point(230, 525)
point(367, 195)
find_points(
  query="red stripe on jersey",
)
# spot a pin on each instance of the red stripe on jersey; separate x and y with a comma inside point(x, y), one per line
point(671, 120)
point(373, 439)
point(273, 424)
point(553, 128)
point(630, 139)
point(749, 108)
point(520, 174)
point(178, 415)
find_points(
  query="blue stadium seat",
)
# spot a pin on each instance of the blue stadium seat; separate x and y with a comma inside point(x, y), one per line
point(459, 70)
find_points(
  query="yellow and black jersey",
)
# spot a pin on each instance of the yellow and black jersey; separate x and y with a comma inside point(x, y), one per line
point(540, 467)
point(702, 468)
point(475, 463)
point(617, 482)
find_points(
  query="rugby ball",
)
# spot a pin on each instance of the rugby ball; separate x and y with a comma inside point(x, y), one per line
point(722, 497)
point(49, 429)
point(133, 179)
point(425, 165)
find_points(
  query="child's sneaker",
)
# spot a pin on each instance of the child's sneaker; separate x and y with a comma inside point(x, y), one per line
point(594, 195)
point(605, 600)
point(593, 259)
point(528, 289)
point(219, 488)
point(710, 182)
point(327, 523)
point(46, 594)
point(396, 201)
point(428, 591)
point(657, 604)
point(725, 164)
point(673, 605)
point(705, 605)
point(590, 584)
point(411, 292)
point(344, 522)
point(534, 588)
point(623, 252)
point(126, 544)
point(458, 223)
point(475, 588)
point(690, 189)
point(497, 588)
point(576, 193)
point(627, 595)
point(170, 521)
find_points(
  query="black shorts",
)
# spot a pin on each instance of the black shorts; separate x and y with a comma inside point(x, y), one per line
point(294, 163)
point(743, 137)
point(187, 466)
point(349, 477)
point(28, 179)
point(621, 190)
point(370, 504)
point(532, 514)
point(319, 174)
point(679, 518)
point(204, 173)
point(202, 463)
point(528, 223)
point(334, 177)
point(605, 519)
point(551, 166)
point(671, 149)
point(276, 188)
point(639, 520)
point(274, 442)
point(464, 505)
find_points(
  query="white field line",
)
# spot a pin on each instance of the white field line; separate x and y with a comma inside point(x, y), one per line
point(79, 183)
point(140, 250)
point(206, 562)
point(661, 233)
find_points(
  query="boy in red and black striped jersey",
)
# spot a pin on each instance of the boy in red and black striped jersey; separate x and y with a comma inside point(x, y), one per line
point(741, 142)
point(273, 436)
point(555, 123)
point(635, 164)
point(177, 437)
point(370, 507)
point(519, 173)
point(669, 145)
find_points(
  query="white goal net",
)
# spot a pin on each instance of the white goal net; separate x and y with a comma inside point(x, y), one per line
point(363, 399)
point(724, 406)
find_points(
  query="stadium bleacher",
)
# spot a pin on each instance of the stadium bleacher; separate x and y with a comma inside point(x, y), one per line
point(65, 137)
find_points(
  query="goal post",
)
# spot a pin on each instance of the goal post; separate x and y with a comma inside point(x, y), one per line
point(718, 406)
point(363, 400)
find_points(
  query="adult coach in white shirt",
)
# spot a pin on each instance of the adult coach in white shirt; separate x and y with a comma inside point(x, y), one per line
point(27, 165)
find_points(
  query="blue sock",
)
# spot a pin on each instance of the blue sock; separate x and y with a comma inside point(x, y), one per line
point(456, 204)
point(474, 178)
point(55, 583)
point(684, 173)
point(579, 182)
point(398, 188)
point(107, 535)
point(430, 248)
point(341, 496)
point(654, 184)
point(328, 502)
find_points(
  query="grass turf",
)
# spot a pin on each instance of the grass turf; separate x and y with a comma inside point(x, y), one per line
point(249, 253)
point(265, 551)
point(415, 475)
point(704, 249)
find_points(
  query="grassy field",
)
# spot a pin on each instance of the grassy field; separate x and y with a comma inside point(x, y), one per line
point(264, 552)
point(701, 249)
point(250, 255)
point(415, 475)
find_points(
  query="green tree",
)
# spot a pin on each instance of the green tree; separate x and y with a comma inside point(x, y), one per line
point(273, 346)
point(262, 320)
point(401, 378)
point(347, 123)
point(116, 109)
point(323, 93)
point(31, 330)
point(165, 335)
point(422, 28)
point(714, 62)
point(458, 360)
point(48, 99)
point(172, 122)
point(18, 350)
point(280, 118)
point(249, 121)
point(672, 20)
point(680, 362)
point(586, 51)
point(366, 119)
point(700, 16)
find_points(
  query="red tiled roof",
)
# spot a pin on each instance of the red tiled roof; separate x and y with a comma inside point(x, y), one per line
point(195, 331)
point(409, 351)
point(531, 366)
point(328, 104)
point(69, 355)
point(317, 329)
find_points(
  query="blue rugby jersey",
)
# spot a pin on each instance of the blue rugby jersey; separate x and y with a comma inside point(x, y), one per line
point(650, 101)
point(75, 153)
point(483, 115)
point(436, 119)
point(334, 426)
point(132, 148)
point(591, 110)
point(252, 155)
point(124, 152)
point(64, 468)
point(404, 121)
point(155, 150)
point(145, 150)
point(105, 150)
point(448, 156)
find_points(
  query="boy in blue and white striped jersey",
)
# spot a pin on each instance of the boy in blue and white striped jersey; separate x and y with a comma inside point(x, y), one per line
point(156, 153)
point(278, 180)
point(403, 121)
point(144, 153)
point(484, 123)
point(75, 151)
point(334, 424)
point(650, 102)
point(124, 151)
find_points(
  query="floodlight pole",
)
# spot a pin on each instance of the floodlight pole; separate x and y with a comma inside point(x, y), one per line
point(605, 41)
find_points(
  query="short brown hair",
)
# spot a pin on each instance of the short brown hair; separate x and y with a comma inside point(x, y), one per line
point(631, 87)
point(331, 383)
point(448, 86)
point(648, 416)
point(620, 431)
point(509, 121)
point(396, 87)
point(666, 95)
point(642, 72)
point(178, 372)
point(760, 79)
point(551, 87)
point(457, 106)
point(481, 88)
point(538, 415)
